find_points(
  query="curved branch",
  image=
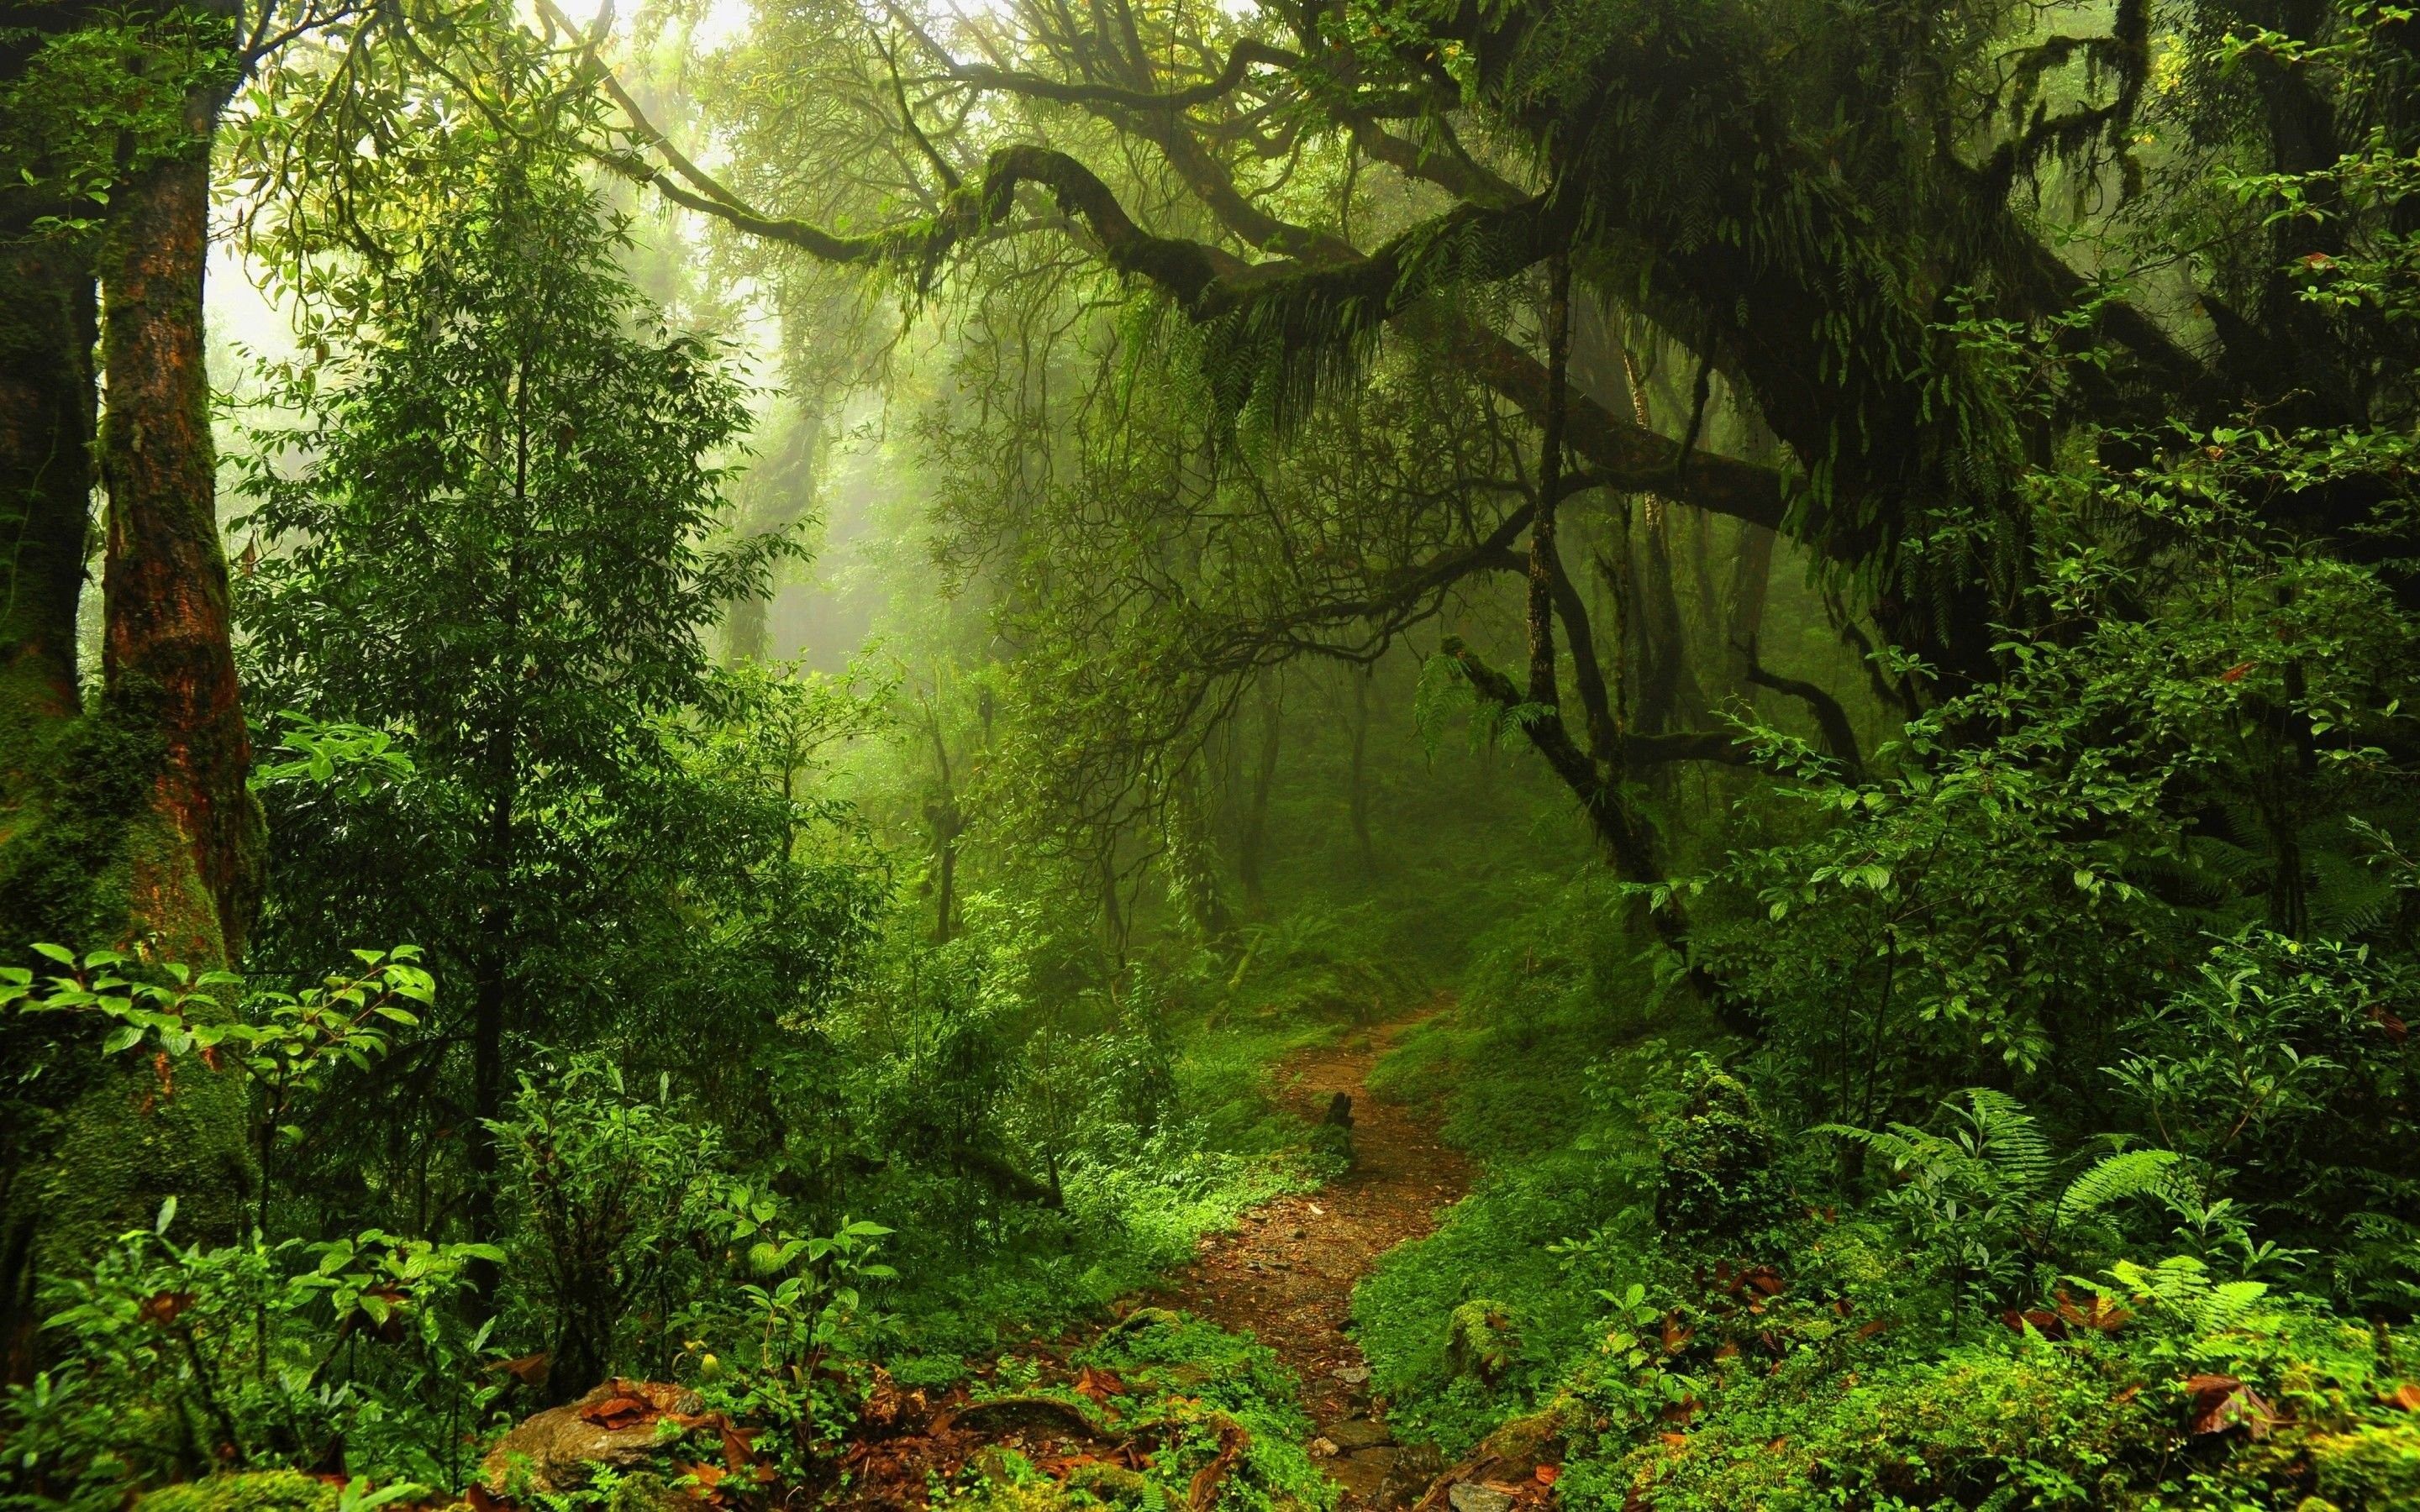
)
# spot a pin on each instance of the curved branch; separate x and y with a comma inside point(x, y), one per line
point(1839, 735)
point(1240, 60)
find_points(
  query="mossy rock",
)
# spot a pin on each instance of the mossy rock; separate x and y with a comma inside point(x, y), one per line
point(1112, 1484)
point(1479, 1340)
point(268, 1491)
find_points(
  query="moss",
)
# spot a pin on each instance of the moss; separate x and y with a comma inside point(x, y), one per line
point(1957, 1430)
point(95, 1143)
point(1114, 1484)
point(1480, 1339)
point(269, 1491)
point(2373, 1466)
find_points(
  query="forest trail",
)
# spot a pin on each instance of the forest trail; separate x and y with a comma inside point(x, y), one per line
point(1286, 1271)
point(1285, 1274)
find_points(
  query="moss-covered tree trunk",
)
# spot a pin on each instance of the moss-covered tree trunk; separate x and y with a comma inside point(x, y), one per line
point(128, 825)
point(47, 331)
point(167, 660)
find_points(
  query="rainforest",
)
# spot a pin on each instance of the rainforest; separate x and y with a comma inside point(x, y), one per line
point(1270, 755)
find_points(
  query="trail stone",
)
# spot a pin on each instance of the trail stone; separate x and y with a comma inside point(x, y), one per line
point(1470, 1496)
point(1352, 1375)
point(1361, 1476)
point(1360, 1433)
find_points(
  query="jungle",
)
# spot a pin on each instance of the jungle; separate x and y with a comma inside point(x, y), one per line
point(1272, 755)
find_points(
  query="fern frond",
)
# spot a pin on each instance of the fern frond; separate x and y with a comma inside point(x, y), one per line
point(2008, 1137)
point(1905, 1147)
point(2228, 1304)
point(2114, 1178)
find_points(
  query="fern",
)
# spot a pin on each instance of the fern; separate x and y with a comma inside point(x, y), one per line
point(2008, 1137)
point(2115, 1178)
point(2180, 1286)
point(1906, 1147)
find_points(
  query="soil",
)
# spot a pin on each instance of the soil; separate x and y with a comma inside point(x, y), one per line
point(1287, 1272)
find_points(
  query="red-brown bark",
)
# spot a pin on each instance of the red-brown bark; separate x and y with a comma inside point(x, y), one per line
point(168, 662)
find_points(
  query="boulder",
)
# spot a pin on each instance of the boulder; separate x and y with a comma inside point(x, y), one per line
point(619, 1425)
point(1358, 1433)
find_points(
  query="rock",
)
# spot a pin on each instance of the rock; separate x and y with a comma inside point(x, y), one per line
point(560, 1449)
point(1016, 1412)
point(1410, 1471)
point(1470, 1496)
point(1140, 1318)
point(1322, 1447)
point(1352, 1375)
point(1360, 1475)
point(1360, 1433)
point(1113, 1484)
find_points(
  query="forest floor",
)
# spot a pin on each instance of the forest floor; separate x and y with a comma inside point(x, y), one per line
point(1285, 1274)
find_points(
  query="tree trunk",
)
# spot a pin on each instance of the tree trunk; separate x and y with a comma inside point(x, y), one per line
point(131, 828)
point(52, 844)
point(167, 661)
point(1252, 849)
point(1359, 775)
point(48, 326)
point(784, 491)
point(490, 1002)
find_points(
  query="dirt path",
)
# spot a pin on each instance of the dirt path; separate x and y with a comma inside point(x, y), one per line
point(1287, 1272)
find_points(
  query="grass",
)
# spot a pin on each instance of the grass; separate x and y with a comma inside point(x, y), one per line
point(1543, 1067)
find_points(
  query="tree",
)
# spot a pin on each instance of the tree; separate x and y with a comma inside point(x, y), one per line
point(489, 534)
point(130, 824)
point(1818, 207)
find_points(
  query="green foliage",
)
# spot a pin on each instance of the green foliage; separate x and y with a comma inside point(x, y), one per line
point(173, 1359)
point(1207, 1389)
point(85, 108)
point(268, 1491)
point(611, 1188)
point(1716, 1184)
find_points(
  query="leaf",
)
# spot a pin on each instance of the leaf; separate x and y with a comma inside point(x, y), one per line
point(2220, 1403)
point(123, 1038)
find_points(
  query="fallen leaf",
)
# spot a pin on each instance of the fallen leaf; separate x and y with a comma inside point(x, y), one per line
point(2407, 1396)
point(2223, 1402)
point(164, 1306)
point(1548, 1474)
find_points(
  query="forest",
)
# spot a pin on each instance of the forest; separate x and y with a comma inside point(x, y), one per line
point(1272, 755)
